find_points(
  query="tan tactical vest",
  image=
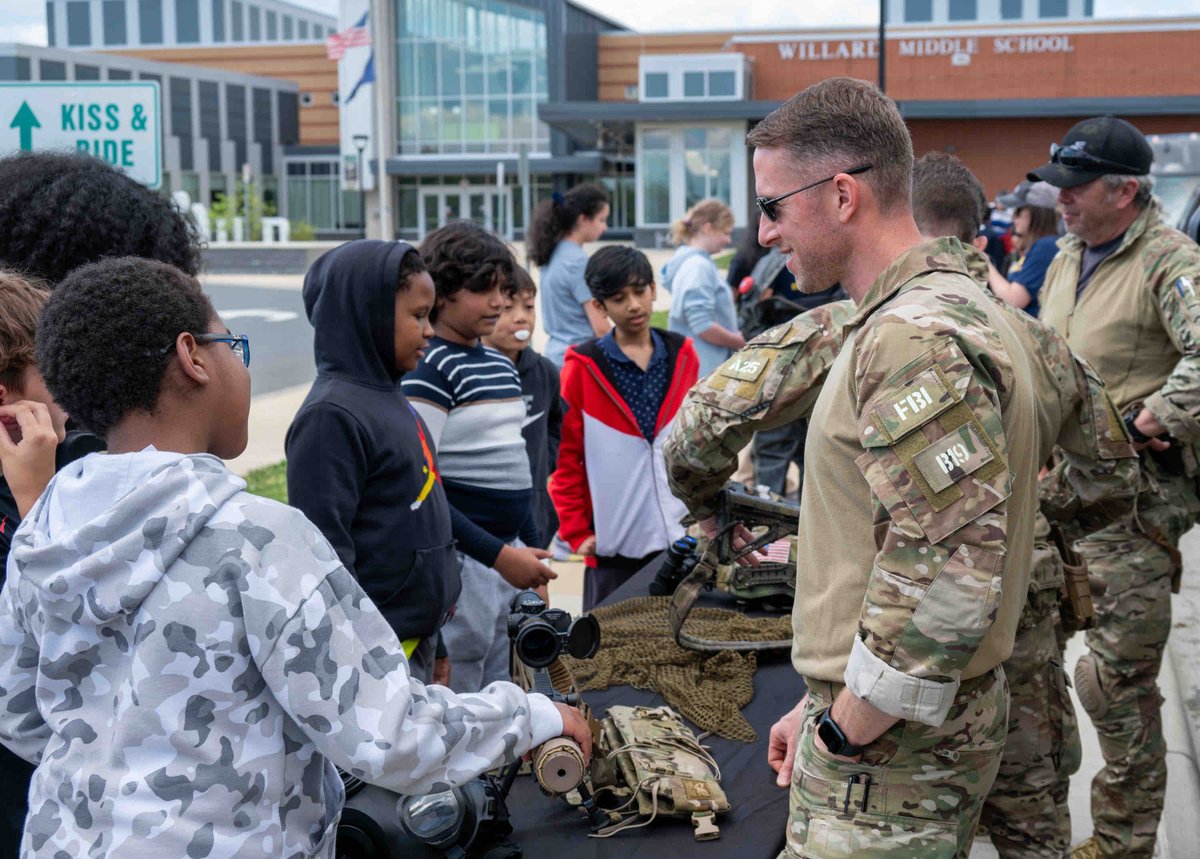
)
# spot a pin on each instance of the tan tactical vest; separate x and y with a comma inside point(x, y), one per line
point(834, 568)
point(1115, 324)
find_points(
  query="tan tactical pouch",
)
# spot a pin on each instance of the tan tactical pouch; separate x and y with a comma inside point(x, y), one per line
point(1075, 606)
point(669, 772)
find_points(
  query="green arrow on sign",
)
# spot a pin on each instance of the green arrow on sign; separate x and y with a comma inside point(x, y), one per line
point(26, 122)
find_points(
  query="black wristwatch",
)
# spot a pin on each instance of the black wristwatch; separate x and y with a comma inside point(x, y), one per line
point(1136, 434)
point(834, 737)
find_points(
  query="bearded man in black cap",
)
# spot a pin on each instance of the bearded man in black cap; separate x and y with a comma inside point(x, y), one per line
point(1122, 290)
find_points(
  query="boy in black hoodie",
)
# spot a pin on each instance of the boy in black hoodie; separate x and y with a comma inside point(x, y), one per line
point(359, 461)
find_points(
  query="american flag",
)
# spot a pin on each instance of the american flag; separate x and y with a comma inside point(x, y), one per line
point(354, 37)
point(780, 551)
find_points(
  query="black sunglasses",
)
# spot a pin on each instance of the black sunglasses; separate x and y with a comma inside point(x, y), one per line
point(769, 207)
point(1073, 156)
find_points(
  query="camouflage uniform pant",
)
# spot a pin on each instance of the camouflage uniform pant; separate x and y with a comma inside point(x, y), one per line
point(1026, 813)
point(916, 794)
point(1127, 643)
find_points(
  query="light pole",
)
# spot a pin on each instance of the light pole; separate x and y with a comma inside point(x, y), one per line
point(882, 45)
point(360, 143)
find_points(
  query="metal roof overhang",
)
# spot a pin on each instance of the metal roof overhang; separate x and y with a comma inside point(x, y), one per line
point(583, 119)
point(476, 165)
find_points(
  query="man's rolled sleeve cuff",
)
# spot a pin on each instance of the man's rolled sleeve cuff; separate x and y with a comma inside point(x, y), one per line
point(1181, 425)
point(894, 692)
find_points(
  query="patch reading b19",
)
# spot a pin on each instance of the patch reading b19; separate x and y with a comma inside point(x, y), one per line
point(952, 457)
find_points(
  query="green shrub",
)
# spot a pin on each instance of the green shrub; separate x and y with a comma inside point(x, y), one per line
point(269, 481)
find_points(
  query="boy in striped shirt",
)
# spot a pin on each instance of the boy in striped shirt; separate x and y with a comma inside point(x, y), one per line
point(470, 397)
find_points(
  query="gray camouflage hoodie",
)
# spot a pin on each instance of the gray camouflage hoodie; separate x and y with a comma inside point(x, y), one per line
point(186, 662)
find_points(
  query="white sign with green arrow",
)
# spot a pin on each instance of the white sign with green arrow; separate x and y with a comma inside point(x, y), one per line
point(119, 122)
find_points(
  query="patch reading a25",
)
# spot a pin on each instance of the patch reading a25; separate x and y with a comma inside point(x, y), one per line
point(745, 368)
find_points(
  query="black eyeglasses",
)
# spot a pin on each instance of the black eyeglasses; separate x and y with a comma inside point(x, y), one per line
point(239, 343)
point(768, 207)
point(1073, 156)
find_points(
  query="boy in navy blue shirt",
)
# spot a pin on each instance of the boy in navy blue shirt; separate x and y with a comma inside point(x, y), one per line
point(359, 461)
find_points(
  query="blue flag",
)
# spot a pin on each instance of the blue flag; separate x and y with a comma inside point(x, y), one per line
point(368, 76)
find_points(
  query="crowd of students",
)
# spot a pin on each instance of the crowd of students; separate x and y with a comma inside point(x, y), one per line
point(180, 661)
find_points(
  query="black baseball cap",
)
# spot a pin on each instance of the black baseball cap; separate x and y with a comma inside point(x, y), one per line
point(1094, 148)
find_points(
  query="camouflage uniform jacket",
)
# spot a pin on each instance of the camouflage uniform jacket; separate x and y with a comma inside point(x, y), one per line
point(187, 662)
point(1137, 320)
point(916, 518)
point(1078, 424)
point(771, 382)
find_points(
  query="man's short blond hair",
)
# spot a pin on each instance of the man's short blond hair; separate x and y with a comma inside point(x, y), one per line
point(841, 123)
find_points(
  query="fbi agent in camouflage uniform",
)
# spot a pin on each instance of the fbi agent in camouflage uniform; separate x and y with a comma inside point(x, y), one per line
point(1122, 290)
point(1026, 812)
point(1026, 808)
point(916, 518)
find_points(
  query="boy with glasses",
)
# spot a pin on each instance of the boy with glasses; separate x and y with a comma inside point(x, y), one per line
point(186, 662)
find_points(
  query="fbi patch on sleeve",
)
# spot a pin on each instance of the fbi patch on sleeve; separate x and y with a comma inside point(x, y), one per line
point(938, 441)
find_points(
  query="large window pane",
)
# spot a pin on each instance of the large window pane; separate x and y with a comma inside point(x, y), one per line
point(113, 12)
point(693, 84)
point(451, 82)
point(963, 10)
point(287, 28)
point(427, 67)
point(297, 198)
point(150, 21)
point(187, 21)
point(272, 26)
point(302, 26)
point(722, 84)
point(918, 10)
point(255, 15)
point(237, 20)
point(1052, 8)
point(79, 23)
point(323, 202)
point(218, 20)
point(656, 84)
point(656, 177)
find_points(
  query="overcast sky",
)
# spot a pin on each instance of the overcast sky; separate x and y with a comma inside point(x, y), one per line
point(26, 22)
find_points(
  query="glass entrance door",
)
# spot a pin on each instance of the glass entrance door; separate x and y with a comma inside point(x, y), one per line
point(488, 206)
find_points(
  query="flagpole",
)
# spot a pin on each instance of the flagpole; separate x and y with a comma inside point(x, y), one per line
point(383, 44)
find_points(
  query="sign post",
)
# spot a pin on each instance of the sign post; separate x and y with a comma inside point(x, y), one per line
point(119, 122)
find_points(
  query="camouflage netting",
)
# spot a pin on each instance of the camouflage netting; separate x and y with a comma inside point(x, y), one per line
point(710, 689)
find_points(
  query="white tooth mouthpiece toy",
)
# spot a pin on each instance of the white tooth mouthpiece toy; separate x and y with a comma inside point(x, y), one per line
point(521, 334)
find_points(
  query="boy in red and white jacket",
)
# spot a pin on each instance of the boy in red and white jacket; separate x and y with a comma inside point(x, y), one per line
point(623, 389)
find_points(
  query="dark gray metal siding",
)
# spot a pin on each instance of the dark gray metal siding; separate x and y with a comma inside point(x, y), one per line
point(181, 120)
point(235, 122)
point(262, 126)
point(210, 122)
point(289, 117)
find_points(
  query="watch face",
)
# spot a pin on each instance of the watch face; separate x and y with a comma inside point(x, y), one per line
point(830, 735)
